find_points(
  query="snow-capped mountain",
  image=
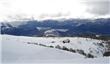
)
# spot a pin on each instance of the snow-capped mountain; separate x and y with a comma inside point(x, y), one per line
point(70, 27)
point(52, 33)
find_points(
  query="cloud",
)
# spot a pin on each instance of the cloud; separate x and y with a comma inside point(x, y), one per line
point(60, 14)
point(98, 7)
point(54, 8)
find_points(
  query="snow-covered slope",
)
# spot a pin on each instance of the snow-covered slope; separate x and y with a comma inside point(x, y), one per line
point(51, 32)
point(23, 49)
point(85, 46)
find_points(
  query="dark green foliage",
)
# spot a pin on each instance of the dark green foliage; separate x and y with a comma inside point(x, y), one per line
point(66, 41)
point(36, 43)
point(72, 50)
point(93, 36)
point(81, 52)
point(42, 45)
point(65, 48)
point(90, 56)
point(51, 46)
point(58, 47)
point(106, 54)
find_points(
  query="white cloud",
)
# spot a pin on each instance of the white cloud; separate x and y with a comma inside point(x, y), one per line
point(48, 8)
point(98, 7)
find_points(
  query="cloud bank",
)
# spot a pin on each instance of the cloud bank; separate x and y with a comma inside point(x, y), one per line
point(54, 8)
point(98, 7)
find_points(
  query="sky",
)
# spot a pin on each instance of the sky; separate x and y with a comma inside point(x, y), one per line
point(44, 9)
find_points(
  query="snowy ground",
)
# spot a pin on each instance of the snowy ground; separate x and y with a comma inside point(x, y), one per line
point(20, 49)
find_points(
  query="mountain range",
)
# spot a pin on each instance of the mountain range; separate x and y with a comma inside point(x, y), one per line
point(62, 27)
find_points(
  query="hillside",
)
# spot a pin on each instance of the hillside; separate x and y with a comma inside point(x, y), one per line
point(20, 49)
